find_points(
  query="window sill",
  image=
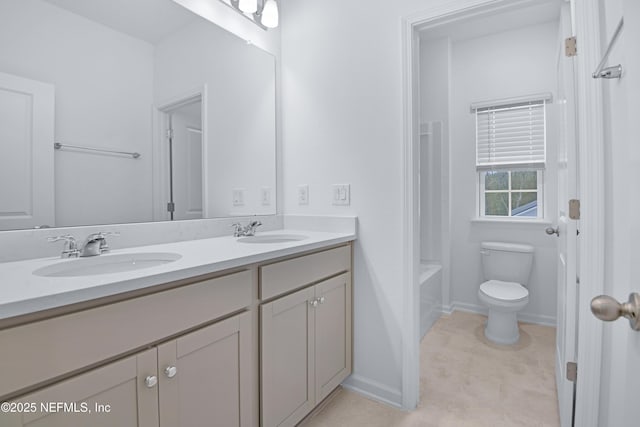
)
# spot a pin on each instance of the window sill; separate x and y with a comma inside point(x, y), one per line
point(511, 221)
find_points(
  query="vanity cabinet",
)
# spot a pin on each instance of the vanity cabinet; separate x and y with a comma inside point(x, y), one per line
point(120, 385)
point(305, 338)
point(192, 370)
point(194, 380)
point(186, 353)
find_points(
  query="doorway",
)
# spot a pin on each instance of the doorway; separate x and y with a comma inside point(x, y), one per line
point(183, 153)
point(437, 17)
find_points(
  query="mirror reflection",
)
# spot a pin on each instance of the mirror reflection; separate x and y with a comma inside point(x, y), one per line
point(156, 113)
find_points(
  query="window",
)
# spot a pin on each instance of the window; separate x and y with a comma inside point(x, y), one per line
point(516, 193)
point(511, 156)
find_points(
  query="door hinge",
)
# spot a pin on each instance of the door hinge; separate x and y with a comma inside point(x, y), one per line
point(570, 48)
point(572, 371)
point(169, 133)
point(574, 209)
point(171, 207)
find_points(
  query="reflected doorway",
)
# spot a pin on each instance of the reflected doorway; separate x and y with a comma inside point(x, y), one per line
point(183, 130)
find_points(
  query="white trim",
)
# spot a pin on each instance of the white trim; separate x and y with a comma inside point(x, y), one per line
point(591, 162)
point(591, 241)
point(510, 221)
point(374, 390)
point(410, 393)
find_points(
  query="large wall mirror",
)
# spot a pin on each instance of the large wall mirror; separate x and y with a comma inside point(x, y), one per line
point(120, 111)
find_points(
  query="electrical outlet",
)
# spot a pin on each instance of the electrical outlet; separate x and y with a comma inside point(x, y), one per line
point(303, 195)
point(342, 194)
point(265, 196)
point(238, 197)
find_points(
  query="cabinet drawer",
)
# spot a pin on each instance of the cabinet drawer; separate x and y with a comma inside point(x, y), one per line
point(285, 276)
point(47, 349)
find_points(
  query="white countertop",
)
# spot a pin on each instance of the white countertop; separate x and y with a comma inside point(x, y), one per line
point(22, 292)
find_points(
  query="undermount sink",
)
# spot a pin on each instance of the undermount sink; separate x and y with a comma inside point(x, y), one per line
point(273, 238)
point(106, 264)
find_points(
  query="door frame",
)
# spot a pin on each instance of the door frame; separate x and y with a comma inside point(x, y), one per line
point(590, 158)
point(160, 156)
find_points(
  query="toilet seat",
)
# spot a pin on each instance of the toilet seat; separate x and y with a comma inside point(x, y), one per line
point(504, 292)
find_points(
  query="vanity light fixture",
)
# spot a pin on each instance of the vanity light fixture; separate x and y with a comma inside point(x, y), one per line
point(263, 13)
point(248, 6)
point(269, 16)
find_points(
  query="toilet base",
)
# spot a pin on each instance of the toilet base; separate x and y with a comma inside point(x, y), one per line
point(502, 327)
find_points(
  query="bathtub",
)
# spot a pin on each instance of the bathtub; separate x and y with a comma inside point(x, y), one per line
point(430, 295)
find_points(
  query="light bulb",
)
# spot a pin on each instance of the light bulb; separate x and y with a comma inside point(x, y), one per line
point(270, 14)
point(248, 6)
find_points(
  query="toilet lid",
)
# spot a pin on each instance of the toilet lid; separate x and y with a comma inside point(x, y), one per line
point(506, 291)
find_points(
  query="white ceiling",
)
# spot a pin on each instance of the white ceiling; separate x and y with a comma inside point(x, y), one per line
point(495, 22)
point(149, 20)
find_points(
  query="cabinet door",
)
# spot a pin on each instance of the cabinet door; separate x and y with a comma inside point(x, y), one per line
point(205, 376)
point(332, 334)
point(113, 395)
point(287, 359)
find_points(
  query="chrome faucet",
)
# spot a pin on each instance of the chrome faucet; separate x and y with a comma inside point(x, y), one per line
point(70, 245)
point(96, 244)
point(245, 230)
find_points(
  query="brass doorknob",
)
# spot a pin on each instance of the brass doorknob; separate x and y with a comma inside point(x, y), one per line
point(608, 309)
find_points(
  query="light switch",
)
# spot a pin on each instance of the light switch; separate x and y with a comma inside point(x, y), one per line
point(303, 195)
point(342, 194)
point(238, 197)
point(265, 196)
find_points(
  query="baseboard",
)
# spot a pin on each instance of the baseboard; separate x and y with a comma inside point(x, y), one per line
point(374, 390)
point(536, 319)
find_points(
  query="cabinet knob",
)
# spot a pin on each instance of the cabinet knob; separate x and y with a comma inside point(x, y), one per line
point(151, 381)
point(321, 300)
point(170, 371)
point(313, 303)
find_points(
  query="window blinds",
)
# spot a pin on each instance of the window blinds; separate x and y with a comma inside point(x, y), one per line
point(511, 136)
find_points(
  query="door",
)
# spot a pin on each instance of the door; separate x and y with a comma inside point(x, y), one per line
point(186, 155)
point(621, 354)
point(205, 376)
point(332, 334)
point(26, 153)
point(287, 359)
point(117, 394)
point(566, 332)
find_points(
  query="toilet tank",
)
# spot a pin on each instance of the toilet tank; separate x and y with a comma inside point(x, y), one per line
point(509, 262)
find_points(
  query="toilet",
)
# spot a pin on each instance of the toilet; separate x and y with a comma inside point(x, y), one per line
point(506, 268)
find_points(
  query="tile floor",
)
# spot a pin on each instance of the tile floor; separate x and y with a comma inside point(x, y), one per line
point(465, 381)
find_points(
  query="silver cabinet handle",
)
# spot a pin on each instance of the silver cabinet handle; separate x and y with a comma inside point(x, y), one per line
point(551, 231)
point(313, 302)
point(321, 299)
point(170, 371)
point(608, 309)
point(151, 381)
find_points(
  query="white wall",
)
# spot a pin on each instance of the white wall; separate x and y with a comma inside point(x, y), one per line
point(240, 111)
point(103, 83)
point(501, 65)
point(342, 123)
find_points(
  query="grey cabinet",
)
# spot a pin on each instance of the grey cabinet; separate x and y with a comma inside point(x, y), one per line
point(305, 349)
point(205, 376)
point(190, 375)
point(200, 379)
point(112, 395)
